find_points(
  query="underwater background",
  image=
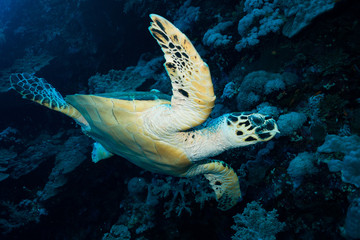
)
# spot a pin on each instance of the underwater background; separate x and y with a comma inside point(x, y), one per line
point(298, 61)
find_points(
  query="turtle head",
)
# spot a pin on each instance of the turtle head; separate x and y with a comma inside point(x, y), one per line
point(245, 129)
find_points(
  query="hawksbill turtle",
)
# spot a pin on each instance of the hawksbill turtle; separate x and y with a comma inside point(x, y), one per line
point(158, 133)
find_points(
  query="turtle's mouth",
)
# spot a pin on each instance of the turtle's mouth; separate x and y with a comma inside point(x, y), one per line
point(267, 130)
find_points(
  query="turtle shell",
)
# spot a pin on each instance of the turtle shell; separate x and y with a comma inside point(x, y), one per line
point(116, 121)
point(135, 96)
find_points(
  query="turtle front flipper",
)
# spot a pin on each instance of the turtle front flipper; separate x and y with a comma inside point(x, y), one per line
point(223, 181)
point(193, 94)
point(38, 90)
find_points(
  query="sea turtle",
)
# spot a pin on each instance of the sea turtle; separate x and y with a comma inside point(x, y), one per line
point(160, 134)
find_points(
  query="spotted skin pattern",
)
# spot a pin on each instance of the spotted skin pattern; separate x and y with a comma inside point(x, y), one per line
point(193, 93)
point(40, 91)
point(252, 127)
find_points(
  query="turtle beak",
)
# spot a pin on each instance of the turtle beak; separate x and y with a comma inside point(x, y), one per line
point(276, 130)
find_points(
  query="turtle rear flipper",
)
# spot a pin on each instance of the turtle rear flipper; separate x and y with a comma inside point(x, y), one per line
point(37, 90)
point(99, 153)
point(40, 91)
point(222, 179)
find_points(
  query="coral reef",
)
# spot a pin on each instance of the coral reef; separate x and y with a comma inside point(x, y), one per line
point(297, 61)
point(348, 145)
point(132, 78)
point(29, 63)
point(256, 223)
point(5, 157)
point(72, 153)
point(270, 16)
point(303, 164)
point(214, 38)
point(21, 214)
point(258, 84)
point(186, 16)
point(290, 122)
point(352, 220)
